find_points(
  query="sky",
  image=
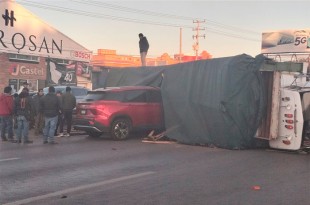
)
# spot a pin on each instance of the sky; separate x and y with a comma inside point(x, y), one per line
point(226, 28)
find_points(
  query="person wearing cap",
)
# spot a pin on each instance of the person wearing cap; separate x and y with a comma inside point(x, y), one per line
point(25, 85)
point(144, 47)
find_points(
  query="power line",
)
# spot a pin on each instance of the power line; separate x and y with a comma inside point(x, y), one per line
point(130, 20)
point(150, 13)
point(130, 10)
point(97, 15)
point(230, 35)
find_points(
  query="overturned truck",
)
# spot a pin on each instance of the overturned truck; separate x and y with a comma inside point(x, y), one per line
point(237, 102)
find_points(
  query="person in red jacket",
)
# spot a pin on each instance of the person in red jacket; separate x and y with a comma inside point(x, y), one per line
point(6, 114)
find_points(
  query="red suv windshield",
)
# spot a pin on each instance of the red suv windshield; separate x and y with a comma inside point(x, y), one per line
point(125, 96)
point(104, 95)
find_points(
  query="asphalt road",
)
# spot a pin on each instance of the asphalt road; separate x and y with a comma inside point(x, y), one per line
point(83, 170)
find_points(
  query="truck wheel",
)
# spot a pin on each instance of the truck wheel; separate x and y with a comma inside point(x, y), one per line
point(120, 129)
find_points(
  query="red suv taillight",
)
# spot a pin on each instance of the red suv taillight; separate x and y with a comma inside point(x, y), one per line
point(96, 109)
point(83, 109)
point(93, 111)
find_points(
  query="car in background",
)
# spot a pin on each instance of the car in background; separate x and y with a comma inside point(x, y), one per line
point(78, 92)
point(119, 111)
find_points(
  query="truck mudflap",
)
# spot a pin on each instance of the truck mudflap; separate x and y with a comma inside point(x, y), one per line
point(290, 122)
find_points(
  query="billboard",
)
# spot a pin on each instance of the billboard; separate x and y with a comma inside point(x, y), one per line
point(58, 74)
point(21, 32)
point(286, 41)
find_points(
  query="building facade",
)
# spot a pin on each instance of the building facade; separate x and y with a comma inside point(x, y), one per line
point(15, 72)
point(109, 58)
point(28, 45)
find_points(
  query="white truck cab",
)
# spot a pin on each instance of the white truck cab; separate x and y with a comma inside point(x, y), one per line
point(290, 125)
point(288, 108)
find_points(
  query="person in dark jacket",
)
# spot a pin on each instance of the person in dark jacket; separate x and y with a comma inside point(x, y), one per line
point(23, 111)
point(60, 123)
point(50, 107)
point(68, 104)
point(39, 119)
point(144, 47)
point(25, 85)
point(6, 114)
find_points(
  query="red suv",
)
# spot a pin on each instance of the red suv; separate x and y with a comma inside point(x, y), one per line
point(120, 110)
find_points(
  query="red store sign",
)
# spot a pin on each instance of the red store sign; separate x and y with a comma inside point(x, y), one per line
point(22, 70)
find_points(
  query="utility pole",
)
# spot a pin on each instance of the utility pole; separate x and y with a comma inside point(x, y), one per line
point(180, 53)
point(197, 36)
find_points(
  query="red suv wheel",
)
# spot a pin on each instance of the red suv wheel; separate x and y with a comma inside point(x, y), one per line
point(120, 129)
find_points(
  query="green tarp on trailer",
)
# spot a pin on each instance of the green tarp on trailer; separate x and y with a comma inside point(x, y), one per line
point(218, 101)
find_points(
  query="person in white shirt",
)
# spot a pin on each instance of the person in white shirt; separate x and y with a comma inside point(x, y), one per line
point(25, 85)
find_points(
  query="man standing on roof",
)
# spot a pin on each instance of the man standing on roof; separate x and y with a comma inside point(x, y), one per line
point(144, 47)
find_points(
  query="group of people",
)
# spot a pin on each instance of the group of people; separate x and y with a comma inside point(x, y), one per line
point(48, 112)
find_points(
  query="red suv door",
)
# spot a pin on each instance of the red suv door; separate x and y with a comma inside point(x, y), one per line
point(144, 107)
point(137, 107)
point(155, 107)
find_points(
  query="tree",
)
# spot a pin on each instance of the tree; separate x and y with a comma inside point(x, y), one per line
point(205, 55)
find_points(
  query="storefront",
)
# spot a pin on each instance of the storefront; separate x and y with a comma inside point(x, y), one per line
point(26, 51)
point(15, 72)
